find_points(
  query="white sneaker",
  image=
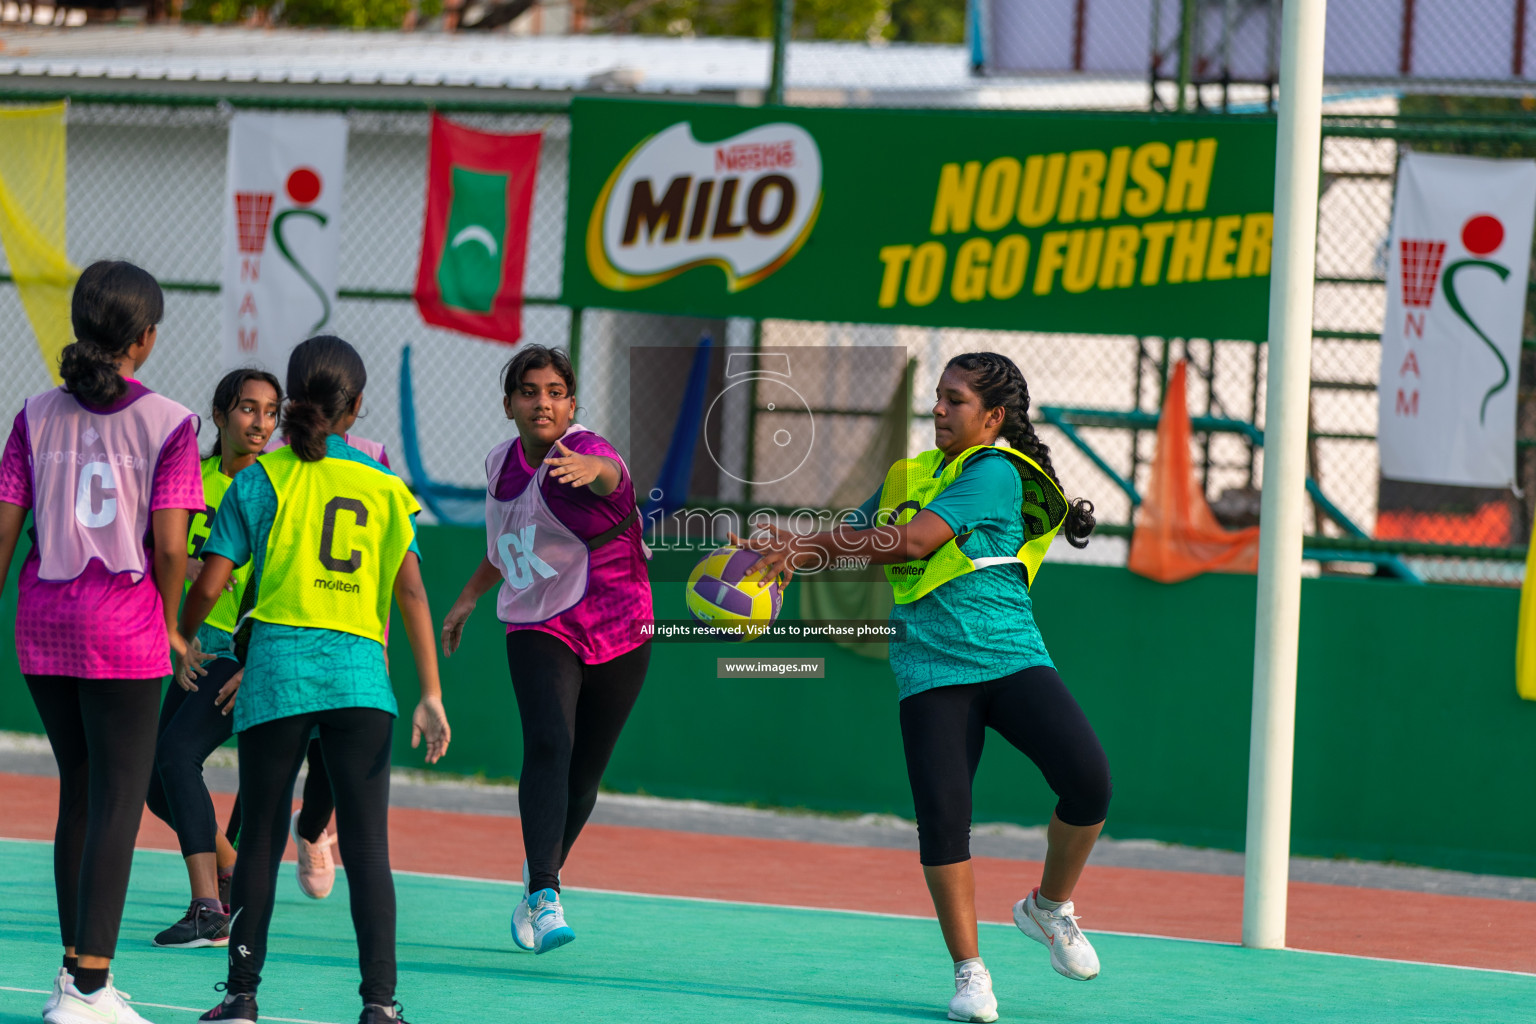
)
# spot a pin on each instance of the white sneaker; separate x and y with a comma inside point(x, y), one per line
point(522, 919)
point(549, 928)
point(1071, 953)
point(59, 981)
point(973, 1000)
point(107, 1006)
point(316, 868)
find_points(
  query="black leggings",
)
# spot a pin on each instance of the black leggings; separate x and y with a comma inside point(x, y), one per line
point(572, 715)
point(356, 742)
point(103, 736)
point(192, 726)
point(316, 810)
point(943, 730)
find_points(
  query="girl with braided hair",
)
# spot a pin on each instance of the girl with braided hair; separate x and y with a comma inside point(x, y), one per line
point(962, 530)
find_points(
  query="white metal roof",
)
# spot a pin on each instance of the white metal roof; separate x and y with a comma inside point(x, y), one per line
point(830, 72)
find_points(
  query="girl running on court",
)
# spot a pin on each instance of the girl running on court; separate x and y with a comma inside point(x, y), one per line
point(109, 470)
point(564, 541)
point(962, 530)
point(331, 534)
point(195, 721)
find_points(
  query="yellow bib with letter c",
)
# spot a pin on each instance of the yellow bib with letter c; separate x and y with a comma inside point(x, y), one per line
point(341, 531)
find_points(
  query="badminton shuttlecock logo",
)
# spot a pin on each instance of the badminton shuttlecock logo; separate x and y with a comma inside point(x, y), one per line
point(253, 214)
point(1421, 270)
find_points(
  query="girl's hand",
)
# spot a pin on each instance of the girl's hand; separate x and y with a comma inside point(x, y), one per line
point(195, 569)
point(777, 549)
point(453, 625)
point(190, 663)
point(227, 693)
point(431, 721)
point(571, 468)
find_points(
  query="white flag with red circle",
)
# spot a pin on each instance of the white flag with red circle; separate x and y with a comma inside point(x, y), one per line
point(282, 234)
point(1457, 278)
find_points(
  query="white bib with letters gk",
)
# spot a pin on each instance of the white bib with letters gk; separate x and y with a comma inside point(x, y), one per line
point(543, 564)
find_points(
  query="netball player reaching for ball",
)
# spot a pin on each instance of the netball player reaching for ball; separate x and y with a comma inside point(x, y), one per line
point(563, 540)
point(330, 534)
point(194, 718)
point(109, 470)
point(962, 530)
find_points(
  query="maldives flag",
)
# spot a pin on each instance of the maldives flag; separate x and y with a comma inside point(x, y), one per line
point(475, 240)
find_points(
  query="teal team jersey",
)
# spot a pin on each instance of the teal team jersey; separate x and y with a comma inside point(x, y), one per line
point(979, 626)
point(292, 670)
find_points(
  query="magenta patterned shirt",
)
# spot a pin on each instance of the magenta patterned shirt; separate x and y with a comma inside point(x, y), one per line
point(599, 627)
point(99, 625)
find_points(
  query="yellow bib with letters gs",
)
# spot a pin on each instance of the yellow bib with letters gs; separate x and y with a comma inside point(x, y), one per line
point(341, 531)
point(912, 484)
point(226, 613)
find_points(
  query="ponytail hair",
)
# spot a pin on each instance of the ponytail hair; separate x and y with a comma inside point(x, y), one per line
point(227, 395)
point(325, 376)
point(113, 305)
point(998, 382)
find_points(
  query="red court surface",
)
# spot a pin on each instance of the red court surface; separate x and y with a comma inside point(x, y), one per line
point(1460, 930)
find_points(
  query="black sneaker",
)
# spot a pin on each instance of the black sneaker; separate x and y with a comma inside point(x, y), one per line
point(200, 927)
point(226, 885)
point(373, 1013)
point(240, 1006)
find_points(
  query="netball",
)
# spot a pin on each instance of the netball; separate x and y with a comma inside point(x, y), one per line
point(721, 594)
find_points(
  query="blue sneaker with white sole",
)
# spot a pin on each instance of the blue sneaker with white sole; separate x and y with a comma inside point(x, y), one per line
point(549, 928)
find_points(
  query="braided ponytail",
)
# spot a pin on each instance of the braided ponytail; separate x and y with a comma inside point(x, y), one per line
point(113, 304)
point(999, 383)
point(325, 376)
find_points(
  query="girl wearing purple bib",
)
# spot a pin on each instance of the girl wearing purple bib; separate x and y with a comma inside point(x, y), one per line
point(564, 542)
point(109, 470)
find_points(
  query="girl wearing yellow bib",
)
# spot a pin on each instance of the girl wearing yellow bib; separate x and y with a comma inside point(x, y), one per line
point(331, 535)
point(962, 530)
point(194, 718)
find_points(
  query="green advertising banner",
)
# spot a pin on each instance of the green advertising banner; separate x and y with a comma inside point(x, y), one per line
point(1059, 221)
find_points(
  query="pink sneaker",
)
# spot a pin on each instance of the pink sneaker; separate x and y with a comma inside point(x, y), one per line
point(317, 869)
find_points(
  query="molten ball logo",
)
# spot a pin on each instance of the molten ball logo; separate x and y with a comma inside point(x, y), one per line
point(745, 204)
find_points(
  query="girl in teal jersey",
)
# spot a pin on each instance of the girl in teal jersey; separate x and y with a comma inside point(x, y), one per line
point(331, 535)
point(963, 528)
point(194, 717)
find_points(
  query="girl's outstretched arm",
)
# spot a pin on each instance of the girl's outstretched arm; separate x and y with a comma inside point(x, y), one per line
point(485, 576)
point(784, 553)
point(429, 721)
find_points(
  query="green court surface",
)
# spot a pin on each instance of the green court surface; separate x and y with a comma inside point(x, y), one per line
point(646, 958)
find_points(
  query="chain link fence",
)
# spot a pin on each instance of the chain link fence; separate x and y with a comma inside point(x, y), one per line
point(146, 182)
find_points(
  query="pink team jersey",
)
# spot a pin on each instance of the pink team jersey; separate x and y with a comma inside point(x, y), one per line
point(599, 627)
point(100, 624)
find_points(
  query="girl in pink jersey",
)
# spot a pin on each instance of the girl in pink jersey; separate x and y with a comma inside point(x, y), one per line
point(564, 542)
point(109, 471)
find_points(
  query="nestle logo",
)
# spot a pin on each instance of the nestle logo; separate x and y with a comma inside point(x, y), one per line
point(338, 585)
point(755, 156)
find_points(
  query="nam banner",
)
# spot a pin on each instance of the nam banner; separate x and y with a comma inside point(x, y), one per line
point(1457, 270)
point(1112, 224)
point(282, 234)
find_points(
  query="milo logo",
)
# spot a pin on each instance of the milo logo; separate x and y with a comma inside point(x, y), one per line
point(745, 204)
